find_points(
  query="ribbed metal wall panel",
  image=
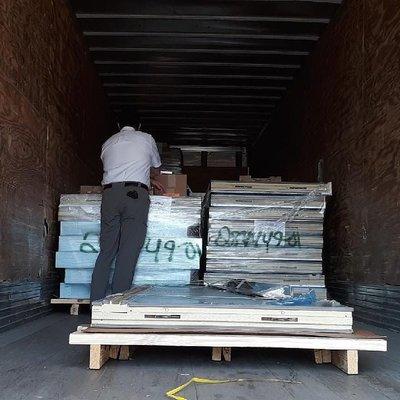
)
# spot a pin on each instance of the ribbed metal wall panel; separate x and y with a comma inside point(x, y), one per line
point(23, 301)
point(374, 304)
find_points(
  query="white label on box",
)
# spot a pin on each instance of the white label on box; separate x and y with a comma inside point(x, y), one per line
point(266, 227)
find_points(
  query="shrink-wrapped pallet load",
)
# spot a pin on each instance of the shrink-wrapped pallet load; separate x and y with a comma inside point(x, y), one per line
point(170, 255)
point(267, 232)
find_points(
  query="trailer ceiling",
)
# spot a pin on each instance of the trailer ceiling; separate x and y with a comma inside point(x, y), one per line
point(201, 72)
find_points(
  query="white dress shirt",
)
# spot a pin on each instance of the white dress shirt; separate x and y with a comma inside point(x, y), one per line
point(128, 156)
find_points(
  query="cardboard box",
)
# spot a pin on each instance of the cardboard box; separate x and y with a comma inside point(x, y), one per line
point(91, 189)
point(175, 184)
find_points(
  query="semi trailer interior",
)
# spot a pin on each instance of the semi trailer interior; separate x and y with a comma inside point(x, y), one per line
point(308, 88)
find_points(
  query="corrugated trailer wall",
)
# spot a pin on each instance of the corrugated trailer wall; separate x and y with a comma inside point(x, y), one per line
point(344, 109)
point(53, 116)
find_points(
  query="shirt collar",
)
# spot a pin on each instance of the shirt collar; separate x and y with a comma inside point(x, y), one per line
point(128, 128)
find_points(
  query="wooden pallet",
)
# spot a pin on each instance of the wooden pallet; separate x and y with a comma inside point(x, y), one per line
point(75, 303)
point(340, 351)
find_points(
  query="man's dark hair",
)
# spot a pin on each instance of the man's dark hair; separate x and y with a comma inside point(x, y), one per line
point(128, 118)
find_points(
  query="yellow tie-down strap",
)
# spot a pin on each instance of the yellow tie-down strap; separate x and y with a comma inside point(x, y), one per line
point(173, 393)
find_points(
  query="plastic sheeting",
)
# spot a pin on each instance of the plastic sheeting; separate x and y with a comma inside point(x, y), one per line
point(86, 207)
point(275, 294)
point(270, 253)
point(180, 253)
point(170, 255)
point(159, 249)
point(142, 276)
point(295, 285)
point(264, 231)
point(164, 228)
point(272, 188)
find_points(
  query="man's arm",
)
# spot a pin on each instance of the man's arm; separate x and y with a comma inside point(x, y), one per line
point(156, 167)
point(155, 172)
point(154, 175)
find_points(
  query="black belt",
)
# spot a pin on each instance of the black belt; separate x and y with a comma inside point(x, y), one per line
point(137, 184)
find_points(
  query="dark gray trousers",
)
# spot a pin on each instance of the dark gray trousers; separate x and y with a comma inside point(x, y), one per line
point(124, 212)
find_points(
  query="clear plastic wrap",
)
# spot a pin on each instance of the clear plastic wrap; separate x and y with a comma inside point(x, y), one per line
point(281, 295)
point(79, 228)
point(310, 280)
point(160, 229)
point(272, 188)
point(75, 250)
point(253, 225)
point(170, 255)
point(80, 199)
point(285, 213)
point(308, 206)
point(263, 213)
point(304, 228)
point(77, 212)
point(142, 276)
point(272, 253)
point(272, 201)
point(265, 238)
point(171, 159)
point(263, 266)
point(82, 290)
point(86, 207)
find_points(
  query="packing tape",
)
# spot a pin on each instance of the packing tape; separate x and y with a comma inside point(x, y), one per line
point(173, 393)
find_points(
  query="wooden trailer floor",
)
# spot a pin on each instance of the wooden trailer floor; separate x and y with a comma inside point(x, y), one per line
point(38, 363)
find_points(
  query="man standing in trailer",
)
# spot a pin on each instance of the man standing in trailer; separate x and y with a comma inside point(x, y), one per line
point(131, 162)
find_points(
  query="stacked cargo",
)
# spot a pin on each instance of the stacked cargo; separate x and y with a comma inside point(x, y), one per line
point(171, 159)
point(194, 309)
point(170, 255)
point(267, 233)
point(222, 159)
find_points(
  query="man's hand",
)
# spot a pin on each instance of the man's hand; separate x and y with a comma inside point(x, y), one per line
point(158, 185)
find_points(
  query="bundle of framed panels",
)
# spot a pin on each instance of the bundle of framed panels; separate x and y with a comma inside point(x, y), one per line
point(267, 232)
point(210, 310)
point(171, 159)
point(170, 255)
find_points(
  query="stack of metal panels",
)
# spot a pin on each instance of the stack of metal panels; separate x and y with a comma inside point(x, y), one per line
point(171, 159)
point(191, 158)
point(222, 159)
point(267, 232)
point(170, 255)
point(206, 309)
